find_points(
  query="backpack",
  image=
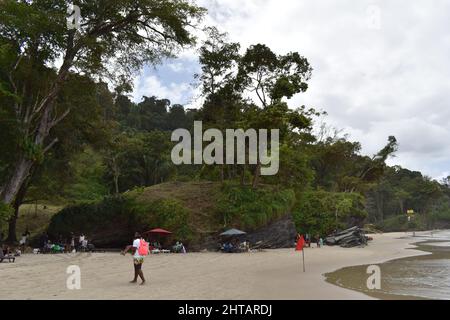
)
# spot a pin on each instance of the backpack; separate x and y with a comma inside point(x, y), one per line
point(143, 248)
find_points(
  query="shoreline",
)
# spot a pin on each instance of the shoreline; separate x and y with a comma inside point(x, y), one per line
point(395, 273)
point(271, 274)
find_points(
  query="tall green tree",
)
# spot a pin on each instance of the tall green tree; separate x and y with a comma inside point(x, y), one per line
point(123, 34)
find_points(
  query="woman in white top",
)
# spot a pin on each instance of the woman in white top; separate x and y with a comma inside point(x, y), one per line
point(138, 260)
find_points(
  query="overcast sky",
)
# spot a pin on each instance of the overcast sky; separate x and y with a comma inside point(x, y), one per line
point(380, 67)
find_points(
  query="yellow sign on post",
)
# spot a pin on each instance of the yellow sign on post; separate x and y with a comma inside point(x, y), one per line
point(410, 212)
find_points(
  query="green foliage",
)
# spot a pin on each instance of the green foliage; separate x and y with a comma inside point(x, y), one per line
point(5, 212)
point(32, 151)
point(133, 32)
point(248, 208)
point(315, 211)
point(400, 190)
point(218, 59)
point(439, 216)
point(87, 181)
point(272, 76)
point(113, 220)
point(168, 214)
point(401, 223)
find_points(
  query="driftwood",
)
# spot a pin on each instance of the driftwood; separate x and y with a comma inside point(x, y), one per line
point(351, 237)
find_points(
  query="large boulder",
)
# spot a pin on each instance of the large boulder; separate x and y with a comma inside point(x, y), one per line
point(278, 234)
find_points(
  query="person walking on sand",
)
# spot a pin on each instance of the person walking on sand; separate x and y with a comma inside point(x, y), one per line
point(138, 259)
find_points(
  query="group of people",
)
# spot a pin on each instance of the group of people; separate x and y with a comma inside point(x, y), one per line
point(235, 245)
point(22, 243)
point(318, 240)
point(71, 244)
point(8, 251)
point(178, 247)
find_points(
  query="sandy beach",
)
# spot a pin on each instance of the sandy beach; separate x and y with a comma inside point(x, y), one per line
point(271, 274)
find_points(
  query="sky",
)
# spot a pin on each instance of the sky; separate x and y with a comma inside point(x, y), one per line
point(380, 68)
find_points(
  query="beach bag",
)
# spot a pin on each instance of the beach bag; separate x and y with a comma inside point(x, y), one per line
point(143, 248)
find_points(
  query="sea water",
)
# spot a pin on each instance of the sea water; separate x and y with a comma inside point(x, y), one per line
point(420, 277)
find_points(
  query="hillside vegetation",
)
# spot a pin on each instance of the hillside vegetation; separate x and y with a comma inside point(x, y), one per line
point(192, 210)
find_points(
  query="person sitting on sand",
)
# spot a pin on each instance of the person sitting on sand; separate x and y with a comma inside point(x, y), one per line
point(5, 249)
point(177, 247)
point(48, 247)
point(138, 260)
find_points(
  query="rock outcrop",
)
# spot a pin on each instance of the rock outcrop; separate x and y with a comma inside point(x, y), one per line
point(279, 234)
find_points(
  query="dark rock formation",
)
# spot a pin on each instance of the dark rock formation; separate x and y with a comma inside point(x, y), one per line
point(279, 234)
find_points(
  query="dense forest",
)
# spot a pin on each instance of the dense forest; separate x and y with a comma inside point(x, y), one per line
point(71, 134)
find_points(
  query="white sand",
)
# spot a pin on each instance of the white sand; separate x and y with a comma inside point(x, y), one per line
point(272, 274)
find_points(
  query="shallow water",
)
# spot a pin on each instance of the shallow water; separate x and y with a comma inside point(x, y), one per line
point(421, 277)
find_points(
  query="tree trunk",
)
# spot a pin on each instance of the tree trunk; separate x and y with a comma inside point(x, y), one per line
point(16, 181)
point(116, 183)
point(45, 122)
point(12, 222)
point(155, 176)
point(222, 173)
point(243, 175)
point(256, 175)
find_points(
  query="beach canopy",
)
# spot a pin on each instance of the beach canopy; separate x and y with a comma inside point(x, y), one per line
point(232, 232)
point(159, 231)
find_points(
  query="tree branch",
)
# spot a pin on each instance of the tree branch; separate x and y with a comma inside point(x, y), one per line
point(50, 145)
point(57, 120)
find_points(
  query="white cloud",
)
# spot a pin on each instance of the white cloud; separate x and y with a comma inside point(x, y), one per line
point(176, 67)
point(150, 85)
point(373, 80)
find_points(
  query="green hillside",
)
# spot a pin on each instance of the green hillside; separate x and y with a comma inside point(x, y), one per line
point(194, 211)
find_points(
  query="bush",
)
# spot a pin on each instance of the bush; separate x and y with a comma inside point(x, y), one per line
point(401, 223)
point(113, 221)
point(167, 214)
point(110, 222)
point(315, 211)
point(248, 208)
point(5, 212)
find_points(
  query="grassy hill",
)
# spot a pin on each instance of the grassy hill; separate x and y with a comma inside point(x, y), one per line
point(194, 211)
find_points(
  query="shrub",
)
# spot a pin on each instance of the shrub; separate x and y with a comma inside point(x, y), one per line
point(401, 223)
point(5, 212)
point(249, 209)
point(315, 211)
point(169, 214)
point(113, 221)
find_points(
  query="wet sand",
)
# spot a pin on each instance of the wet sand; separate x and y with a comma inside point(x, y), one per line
point(271, 274)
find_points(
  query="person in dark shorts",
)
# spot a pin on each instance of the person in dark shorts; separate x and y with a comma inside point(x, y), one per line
point(138, 260)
